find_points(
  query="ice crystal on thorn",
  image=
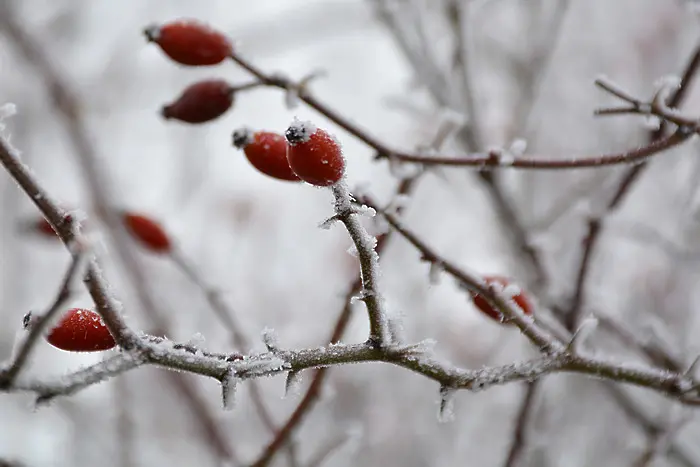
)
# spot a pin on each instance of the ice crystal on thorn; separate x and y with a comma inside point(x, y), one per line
point(446, 410)
point(270, 339)
point(292, 384)
point(229, 387)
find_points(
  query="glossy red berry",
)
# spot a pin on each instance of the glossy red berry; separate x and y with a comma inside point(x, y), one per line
point(190, 42)
point(201, 102)
point(314, 155)
point(81, 330)
point(266, 151)
point(482, 304)
point(148, 232)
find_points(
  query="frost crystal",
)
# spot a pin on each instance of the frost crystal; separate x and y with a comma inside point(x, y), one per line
point(434, 274)
point(293, 384)
point(269, 337)
point(6, 111)
point(229, 387)
point(352, 251)
point(582, 334)
point(518, 147)
point(446, 411)
point(365, 211)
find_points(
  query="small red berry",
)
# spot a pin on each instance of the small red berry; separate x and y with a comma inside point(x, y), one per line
point(201, 102)
point(81, 330)
point(190, 42)
point(482, 304)
point(41, 226)
point(266, 151)
point(314, 155)
point(148, 232)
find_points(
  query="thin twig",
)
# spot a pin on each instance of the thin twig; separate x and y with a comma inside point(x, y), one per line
point(651, 428)
point(41, 323)
point(98, 288)
point(544, 341)
point(632, 174)
point(527, 407)
point(478, 160)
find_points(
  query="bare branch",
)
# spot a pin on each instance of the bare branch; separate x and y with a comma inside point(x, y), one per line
point(99, 291)
point(480, 160)
point(661, 109)
point(40, 324)
point(527, 407)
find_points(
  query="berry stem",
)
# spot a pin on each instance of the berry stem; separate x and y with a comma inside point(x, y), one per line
point(369, 265)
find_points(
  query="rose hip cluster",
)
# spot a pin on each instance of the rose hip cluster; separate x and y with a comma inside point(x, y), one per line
point(304, 153)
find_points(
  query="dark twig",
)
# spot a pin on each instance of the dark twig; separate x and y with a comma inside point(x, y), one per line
point(227, 318)
point(477, 160)
point(651, 428)
point(39, 324)
point(630, 177)
point(527, 407)
point(98, 288)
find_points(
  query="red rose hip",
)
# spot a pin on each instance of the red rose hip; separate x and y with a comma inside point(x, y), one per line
point(148, 232)
point(201, 102)
point(81, 330)
point(190, 42)
point(482, 304)
point(266, 151)
point(314, 155)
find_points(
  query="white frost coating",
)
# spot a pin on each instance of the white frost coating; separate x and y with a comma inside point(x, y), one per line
point(6, 111)
point(518, 147)
point(292, 385)
point(352, 251)
point(668, 81)
point(446, 410)
point(270, 339)
point(300, 131)
point(252, 368)
point(229, 388)
point(291, 98)
point(365, 211)
point(651, 122)
point(511, 290)
point(197, 340)
point(328, 223)
point(435, 273)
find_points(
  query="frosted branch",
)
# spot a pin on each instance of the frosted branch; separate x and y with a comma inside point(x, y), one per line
point(369, 265)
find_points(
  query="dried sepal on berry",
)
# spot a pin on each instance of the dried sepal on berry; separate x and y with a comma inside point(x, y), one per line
point(314, 155)
point(521, 299)
point(80, 330)
point(201, 102)
point(266, 151)
point(148, 232)
point(190, 42)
